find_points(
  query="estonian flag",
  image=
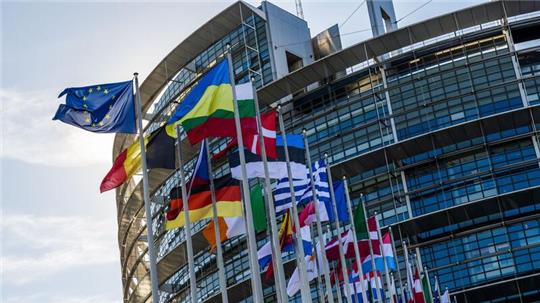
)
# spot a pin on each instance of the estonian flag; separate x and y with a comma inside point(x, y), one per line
point(277, 168)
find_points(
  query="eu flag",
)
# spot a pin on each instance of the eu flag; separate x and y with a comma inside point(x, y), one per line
point(103, 108)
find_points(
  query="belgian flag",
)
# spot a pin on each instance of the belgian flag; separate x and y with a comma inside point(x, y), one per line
point(160, 153)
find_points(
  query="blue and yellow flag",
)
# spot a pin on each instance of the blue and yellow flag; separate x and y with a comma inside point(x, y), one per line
point(104, 108)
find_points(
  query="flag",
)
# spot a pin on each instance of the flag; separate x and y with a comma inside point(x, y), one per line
point(103, 108)
point(332, 247)
point(374, 280)
point(277, 168)
point(304, 194)
point(258, 209)
point(126, 164)
point(445, 298)
point(392, 290)
point(294, 282)
point(355, 289)
point(208, 109)
point(228, 202)
point(282, 193)
point(228, 228)
point(365, 252)
point(436, 292)
point(264, 254)
point(251, 143)
point(160, 153)
point(359, 221)
point(388, 252)
point(341, 202)
point(418, 292)
point(426, 289)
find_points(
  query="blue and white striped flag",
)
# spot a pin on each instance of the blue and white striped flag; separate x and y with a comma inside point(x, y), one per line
point(303, 193)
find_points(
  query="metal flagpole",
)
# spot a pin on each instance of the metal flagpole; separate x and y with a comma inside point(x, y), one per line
point(373, 269)
point(439, 291)
point(401, 290)
point(187, 224)
point(410, 278)
point(338, 227)
point(429, 284)
point(219, 249)
point(146, 195)
point(300, 258)
point(356, 250)
point(277, 261)
point(324, 266)
point(381, 247)
point(336, 280)
point(256, 285)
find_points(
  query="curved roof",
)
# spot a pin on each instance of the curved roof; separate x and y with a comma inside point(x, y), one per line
point(206, 35)
point(406, 36)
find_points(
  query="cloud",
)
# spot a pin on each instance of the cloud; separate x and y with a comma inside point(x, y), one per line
point(29, 134)
point(35, 248)
point(45, 297)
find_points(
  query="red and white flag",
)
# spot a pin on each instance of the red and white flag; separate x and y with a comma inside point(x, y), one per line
point(252, 143)
point(418, 292)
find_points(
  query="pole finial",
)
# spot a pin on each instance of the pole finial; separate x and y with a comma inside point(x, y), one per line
point(228, 46)
point(135, 74)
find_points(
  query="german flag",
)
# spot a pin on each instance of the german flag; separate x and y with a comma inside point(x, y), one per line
point(228, 202)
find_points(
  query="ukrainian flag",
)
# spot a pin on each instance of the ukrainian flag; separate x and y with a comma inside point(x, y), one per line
point(208, 109)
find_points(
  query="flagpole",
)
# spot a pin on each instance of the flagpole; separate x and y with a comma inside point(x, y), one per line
point(410, 278)
point(146, 195)
point(397, 261)
point(300, 258)
point(187, 223)
point(324, 266)
point(256, 285)
point(277, 261)
point(429, 285)
point(356, 250)
point(381, 247)
point(338, 227)
point(438, 288)
point(219, 249)
point(338, 290)
point(373, 269)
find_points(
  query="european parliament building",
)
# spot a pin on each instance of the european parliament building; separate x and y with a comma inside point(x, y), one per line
point(434, 125)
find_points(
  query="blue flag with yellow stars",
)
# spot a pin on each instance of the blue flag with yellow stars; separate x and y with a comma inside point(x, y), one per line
point(104, 108)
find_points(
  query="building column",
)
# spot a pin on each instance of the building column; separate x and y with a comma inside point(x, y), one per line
point(389, 104)
point(407, 198)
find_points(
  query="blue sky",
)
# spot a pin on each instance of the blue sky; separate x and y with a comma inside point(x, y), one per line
point(58, 234)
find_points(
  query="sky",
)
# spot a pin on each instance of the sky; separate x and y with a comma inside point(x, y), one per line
point(58, 234)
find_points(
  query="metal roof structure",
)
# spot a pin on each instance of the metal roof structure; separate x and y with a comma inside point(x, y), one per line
point(392, 41)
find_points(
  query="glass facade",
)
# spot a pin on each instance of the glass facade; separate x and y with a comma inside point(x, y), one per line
point(421, 95)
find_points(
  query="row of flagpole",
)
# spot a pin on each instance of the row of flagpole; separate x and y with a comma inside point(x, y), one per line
point(279, 277)
point(72, 114)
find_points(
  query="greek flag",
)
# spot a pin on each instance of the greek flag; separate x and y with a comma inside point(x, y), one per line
point(303, 193)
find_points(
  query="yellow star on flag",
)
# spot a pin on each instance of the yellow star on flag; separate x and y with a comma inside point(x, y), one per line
point(84, 98)
point(90, 90)
point(101, 123)
point(107, 116)
point(87, 120)
point(98, 88)
point(105, 91)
